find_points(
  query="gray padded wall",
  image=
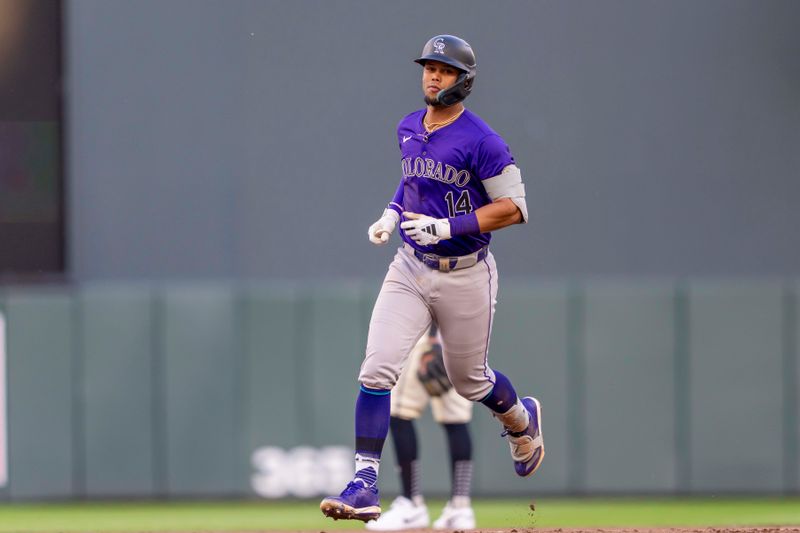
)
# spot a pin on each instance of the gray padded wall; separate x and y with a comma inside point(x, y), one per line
point(4, 490)
point(335, 335)
point(44, 424)
point(167, 391)
point(792, 410)
point(273, 327)
point(274, 412)
point(119, 396)
point(203, 395)
point(735, 340)
point(529, 345)
point(630, 408)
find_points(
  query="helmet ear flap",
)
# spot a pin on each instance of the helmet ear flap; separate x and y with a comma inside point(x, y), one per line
point(458, 91)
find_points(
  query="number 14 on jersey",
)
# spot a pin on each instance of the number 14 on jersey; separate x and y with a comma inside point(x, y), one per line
point(461, 206)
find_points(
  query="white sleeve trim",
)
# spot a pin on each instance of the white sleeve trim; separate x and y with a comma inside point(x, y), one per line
point(508, 184)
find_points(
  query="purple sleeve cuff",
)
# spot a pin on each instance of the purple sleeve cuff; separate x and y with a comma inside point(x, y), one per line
point(465, 225)
point(396, 208)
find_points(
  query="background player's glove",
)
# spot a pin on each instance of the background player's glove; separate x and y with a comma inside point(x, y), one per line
point(382, 229)
point(426, 230)
point(431, 371)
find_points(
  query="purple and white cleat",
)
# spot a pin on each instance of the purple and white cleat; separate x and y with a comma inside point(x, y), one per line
point(358, 501)
point(527, 447)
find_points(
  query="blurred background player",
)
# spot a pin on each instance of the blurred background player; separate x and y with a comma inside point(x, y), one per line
point(424, 379)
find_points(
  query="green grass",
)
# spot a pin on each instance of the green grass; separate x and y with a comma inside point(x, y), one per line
point(305, 515)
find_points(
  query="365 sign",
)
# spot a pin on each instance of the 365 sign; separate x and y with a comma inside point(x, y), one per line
point(301, 472)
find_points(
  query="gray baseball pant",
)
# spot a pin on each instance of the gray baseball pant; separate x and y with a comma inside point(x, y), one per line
point(461, 301)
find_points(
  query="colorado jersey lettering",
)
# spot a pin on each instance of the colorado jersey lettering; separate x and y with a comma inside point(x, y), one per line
point(442, 173)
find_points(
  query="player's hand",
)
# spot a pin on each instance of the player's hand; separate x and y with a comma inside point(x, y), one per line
point(425, 230)
point(382, 229)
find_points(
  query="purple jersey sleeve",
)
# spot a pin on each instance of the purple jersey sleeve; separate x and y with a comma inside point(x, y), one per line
point(492, 156)
point(397, 202)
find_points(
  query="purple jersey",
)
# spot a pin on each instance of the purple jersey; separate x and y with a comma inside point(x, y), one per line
point(442, 174)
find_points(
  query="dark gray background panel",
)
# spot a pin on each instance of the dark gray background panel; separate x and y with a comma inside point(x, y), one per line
point(44, 425)
point(655, 138)
point(116, 328)
point(203, 399)
point(165, 80)
point(630, 422)
point(529, 344)
point(736, 396)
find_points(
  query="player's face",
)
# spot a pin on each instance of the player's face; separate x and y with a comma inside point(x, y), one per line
point(436, 77)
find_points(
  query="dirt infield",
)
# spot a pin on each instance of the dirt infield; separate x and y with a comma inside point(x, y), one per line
point(765, 529)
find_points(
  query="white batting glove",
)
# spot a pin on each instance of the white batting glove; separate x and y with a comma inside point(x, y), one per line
point(425, 230)
point(382, 229)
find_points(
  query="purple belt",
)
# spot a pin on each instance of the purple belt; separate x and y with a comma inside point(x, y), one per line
point(446, 264)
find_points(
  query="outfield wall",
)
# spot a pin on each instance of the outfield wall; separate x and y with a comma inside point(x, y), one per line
point(201, 390)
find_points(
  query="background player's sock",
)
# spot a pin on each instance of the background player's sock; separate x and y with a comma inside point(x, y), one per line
point(505, 403)
point(460, 502)
point(404, 436)
point(372, 426)
point(459, 443)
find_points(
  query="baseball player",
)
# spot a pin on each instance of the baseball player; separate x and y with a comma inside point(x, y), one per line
point(424, 380)
point(459, 183)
